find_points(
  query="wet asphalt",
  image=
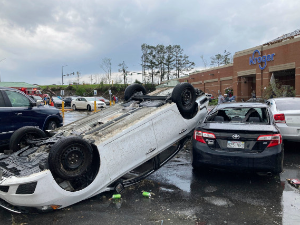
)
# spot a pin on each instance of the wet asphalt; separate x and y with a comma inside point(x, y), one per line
point(181, 195)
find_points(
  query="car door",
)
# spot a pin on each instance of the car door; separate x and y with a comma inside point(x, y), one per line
point(83, 103)
point(136, 146)
point(6, 128)
point(169, 126)
point(22, 113)
point(78, 103)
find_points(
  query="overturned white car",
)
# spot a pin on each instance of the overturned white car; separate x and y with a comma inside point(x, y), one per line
point(108, 150)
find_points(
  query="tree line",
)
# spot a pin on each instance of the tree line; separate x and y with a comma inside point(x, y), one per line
point(166, 62)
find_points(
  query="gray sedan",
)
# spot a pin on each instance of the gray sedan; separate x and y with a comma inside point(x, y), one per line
point(286, 113)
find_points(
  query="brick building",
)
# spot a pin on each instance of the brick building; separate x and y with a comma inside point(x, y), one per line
point(252, 69)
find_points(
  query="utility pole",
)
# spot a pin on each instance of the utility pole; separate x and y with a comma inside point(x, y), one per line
point(78, 75)
point(91, 79)
point(62, 74)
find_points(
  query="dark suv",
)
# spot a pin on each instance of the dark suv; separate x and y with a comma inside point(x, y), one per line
point(18, 110)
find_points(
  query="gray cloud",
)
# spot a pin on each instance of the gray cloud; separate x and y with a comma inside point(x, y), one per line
point(38, 37)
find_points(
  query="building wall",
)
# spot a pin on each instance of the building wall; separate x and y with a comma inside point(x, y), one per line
point(245, 78)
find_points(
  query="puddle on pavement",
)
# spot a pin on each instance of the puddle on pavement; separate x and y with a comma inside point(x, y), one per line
point(218, 201)
point(71, 116)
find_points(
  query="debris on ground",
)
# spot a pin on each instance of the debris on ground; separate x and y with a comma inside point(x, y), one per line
point(294, 182)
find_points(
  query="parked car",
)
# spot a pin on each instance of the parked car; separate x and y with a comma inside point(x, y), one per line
point(56, 101)
point(238, 136)
point(37, 99)
point(108, 150)
point(68, 100)
point(209, 96)
point(106, 101)
point(18, 110)
point(286, 113)
point(86, 103)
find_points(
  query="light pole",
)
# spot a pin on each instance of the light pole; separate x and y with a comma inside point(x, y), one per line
point(62, 74)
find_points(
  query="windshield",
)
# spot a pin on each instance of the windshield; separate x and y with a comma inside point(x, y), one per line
point(55, 98)
point(38, 97)
point(289, 104)
point(240, 115)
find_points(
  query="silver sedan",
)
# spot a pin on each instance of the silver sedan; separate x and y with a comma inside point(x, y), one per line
point(286, 113)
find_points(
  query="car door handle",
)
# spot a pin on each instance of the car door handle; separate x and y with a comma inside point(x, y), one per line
point(182, 131)
point(150, 150)
point(18, 114)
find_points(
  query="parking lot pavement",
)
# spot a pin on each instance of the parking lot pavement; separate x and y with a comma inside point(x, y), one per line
point(181, 195)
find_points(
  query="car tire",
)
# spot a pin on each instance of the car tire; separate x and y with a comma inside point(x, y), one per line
point(89, 108)
point(132, 89)
point(184, 95)
point(70, 157)
point(51, 125)
point(74, 107)
point(19, 138)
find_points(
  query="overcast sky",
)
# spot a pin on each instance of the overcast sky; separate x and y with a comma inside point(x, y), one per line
point(38, 37)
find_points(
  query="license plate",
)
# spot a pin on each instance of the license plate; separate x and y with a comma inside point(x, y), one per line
point(235, 144)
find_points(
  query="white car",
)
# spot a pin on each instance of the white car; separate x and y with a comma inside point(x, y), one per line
point(106, 151)
point(86, 103)
point(286, 113)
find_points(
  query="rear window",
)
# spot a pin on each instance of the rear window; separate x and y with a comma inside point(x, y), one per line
point(289, 104)
point(240, 115)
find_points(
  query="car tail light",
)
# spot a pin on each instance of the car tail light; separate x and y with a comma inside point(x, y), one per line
point(274, 139)
point(199, 135)
point(279, 118)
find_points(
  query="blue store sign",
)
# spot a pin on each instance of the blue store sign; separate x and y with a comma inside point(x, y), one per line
point(261, 59)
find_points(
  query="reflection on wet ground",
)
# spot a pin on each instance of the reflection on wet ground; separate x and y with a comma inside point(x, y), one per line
point(71, 116)
point(237, 197)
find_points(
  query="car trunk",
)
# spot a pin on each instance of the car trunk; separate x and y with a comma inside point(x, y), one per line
point(237, 138)
point(292, 118)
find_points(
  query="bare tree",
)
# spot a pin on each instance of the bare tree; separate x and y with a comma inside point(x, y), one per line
point(106, 66)
point(204, 61)
point(123, 70)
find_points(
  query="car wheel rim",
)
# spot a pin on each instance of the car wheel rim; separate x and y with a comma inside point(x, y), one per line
point(72, 158)
point(186, 97)
point(52, 126)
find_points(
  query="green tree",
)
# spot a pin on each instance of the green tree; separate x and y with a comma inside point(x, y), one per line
point(169, 60)
point(160, 60)
point(220, 59)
